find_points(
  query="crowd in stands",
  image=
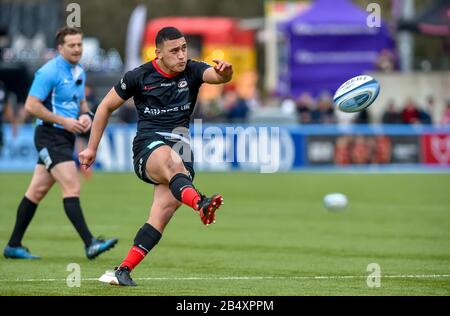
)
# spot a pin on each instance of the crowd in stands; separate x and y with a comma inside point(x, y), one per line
point(230, 108)
point(308, 110)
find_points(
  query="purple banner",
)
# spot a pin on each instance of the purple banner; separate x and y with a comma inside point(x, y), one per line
point(328, 44)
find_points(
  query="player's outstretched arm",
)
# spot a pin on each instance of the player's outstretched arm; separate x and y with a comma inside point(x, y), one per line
point(222, 72)
point(109, 104)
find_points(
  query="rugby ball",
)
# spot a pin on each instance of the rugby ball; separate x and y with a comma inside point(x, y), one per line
point(335, 201)
point(356, 94)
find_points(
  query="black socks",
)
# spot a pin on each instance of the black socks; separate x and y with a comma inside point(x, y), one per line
point(147, 237)
point(25, 213)
point(27, 209)
point(178, 183)
point(74, 213)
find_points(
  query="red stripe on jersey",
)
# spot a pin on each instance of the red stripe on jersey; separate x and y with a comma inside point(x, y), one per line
point(162, 72)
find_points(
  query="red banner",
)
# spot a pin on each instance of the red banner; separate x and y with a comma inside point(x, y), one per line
point(436, 149)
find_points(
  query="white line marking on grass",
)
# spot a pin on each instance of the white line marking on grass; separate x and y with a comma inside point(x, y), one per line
point(253, 278)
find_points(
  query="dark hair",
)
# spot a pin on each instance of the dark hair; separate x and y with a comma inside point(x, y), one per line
point(166, 34)
point(64, 31)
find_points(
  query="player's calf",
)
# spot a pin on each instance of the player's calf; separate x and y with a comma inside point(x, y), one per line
point(146, 238)
point(184, 191)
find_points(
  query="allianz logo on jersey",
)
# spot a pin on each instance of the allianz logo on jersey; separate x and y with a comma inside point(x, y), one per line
point(155, 112)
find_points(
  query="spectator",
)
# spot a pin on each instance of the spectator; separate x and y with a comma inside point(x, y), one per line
point(209, 111)
point(91, 98)
point(235, 107)
point(325, 106)
point(410, 114)
point(315, 114)
point(304, 103)
point(391, 115)
point(238, 113)
point(426, 114)
point(229, 98)
point(446, 114)
point(385, 61)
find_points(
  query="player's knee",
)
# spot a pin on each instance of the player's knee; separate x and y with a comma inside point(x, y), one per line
point(71, 191)
point(37, 194)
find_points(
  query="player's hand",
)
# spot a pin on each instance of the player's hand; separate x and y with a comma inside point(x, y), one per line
point(86, 120)
point(223, 68)
point(87, 157)
point(73, 125)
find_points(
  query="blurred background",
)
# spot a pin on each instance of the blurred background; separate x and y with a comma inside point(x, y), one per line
point(289, 58)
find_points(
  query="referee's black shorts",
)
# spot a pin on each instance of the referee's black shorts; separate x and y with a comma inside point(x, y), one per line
point(144, 146)
point(54, 145)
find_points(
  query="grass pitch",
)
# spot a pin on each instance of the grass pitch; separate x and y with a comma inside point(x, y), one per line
point(272, 237)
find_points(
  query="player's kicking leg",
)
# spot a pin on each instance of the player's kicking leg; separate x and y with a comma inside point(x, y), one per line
point(175, 174)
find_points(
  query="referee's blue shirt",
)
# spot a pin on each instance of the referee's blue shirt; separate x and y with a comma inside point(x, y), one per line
point(59, 85)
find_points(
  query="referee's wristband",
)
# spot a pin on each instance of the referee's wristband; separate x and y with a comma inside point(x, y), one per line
point(90, 113)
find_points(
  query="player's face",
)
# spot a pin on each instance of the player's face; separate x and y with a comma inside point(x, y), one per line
point(173, 54)
point(72, 48)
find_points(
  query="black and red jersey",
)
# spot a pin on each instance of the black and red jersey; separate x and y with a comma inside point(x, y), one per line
point(163, 102)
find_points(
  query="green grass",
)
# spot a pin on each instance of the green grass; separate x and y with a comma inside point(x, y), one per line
point(271, 226)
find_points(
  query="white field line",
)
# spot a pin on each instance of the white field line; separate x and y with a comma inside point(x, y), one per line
point(254, 278)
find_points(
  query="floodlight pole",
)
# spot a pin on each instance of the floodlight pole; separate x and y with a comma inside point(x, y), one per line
point(405, 39)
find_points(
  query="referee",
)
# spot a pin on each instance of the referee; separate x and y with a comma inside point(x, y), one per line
point(57, 99)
